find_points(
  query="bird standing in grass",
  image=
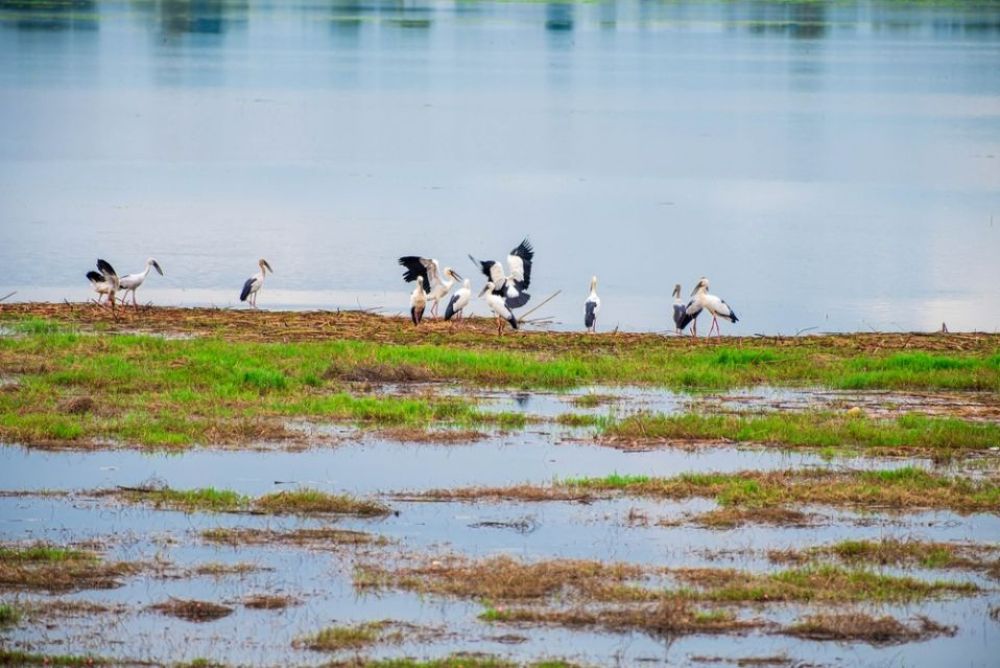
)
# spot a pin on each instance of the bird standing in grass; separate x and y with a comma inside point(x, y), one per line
point(130, 282)
point(253, 284)
point(497, 302)
point(104, 281)
point(459, 301)
point(591, 307)
point(418, 301)
point(679, 310)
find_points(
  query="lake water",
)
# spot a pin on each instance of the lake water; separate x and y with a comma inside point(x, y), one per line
point(828, 165)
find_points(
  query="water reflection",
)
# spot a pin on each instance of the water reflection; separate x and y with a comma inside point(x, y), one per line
point(52, 16)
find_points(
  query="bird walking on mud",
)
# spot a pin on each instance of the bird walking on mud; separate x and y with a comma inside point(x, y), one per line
point(131, 282)
point(591, 307)
point(104, 281)
point(253, 284)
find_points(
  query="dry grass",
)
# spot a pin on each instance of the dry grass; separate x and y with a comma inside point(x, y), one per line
point(354, 638)
point(437, 436)
point(858, 627)
point(498, 578)
point(729, 517)
point(192, 610)
point(670, 617)
point(55, 569)
point(907, 487)
point(824, 583)
point(323, 537)
point(892, 552)
point(269, 601)
point(219, 570)
point(311, 501)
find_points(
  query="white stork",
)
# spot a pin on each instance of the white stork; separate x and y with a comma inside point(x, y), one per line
point(253, 284)
point(497, 302)
point(679, 310)
point(701, 299)
point(511, 286)
point(418, 301)
point(437, 283)
point(130, 282)
point(104, 281)
point(591, 307)
point(459, 301)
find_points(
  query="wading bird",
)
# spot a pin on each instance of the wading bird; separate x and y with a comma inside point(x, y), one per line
point(679, 308)
point(513, 285)
point(436, 287)
point(459, 301)
point(130, 282)
point(104, 281)
point(701, 299)
point(498, 304)
point(254, 283)
point(418, 301)
point(591, 307)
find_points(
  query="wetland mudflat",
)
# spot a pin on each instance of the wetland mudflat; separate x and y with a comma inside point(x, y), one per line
point(432, 500)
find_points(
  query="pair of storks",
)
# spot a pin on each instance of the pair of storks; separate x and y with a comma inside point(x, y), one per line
point(503, 292)
point(106, 281)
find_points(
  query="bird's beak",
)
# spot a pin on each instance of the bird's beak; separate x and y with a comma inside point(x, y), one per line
point(268, 267)
point(456, 275)
point(485, 288)
point(156, 266)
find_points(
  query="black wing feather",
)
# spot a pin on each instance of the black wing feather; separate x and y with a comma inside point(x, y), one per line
point(246, 290)
point(527, 254)
point(449, 310)
point(95, 277)
point(105, 268)
point(517, 302)
point(679, 313)
point(414, 268)
point(484, 266)
point(591, 314)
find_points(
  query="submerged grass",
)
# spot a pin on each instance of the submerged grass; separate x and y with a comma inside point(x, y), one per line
point(814, 430)
point(58, 569)
point(586, 582)
point(893, 552)
point(224, 388)
point(859, 627)
point(289, 502)
point(906, 487)
point(352, 638)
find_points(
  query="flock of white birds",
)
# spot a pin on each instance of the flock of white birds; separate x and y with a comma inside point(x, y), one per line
point(503, 292)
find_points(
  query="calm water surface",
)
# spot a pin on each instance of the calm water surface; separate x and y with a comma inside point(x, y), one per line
point(827, 165)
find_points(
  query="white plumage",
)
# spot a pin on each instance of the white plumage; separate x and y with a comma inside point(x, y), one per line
point(497, 302)
point(418, 301)
point(253, 284)
point(130, 282)
point(591, 307)
point(104, 281)
point(459, 301)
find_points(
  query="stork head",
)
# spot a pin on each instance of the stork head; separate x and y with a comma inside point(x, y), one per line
point(677, 291)
point(702, 286)
point(155, 265)
point(264, 266)
point(593, 283)
point(487, 288)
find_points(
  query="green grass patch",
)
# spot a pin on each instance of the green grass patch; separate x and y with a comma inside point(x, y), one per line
point(813, 430)
point(9, 615)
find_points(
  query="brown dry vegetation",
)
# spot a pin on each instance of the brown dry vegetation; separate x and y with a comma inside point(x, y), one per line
point(900, 488)
point(54, 569)
point(324, 537)
point(666, 618)
point(729, 517)
point(859, 627)
point(269, 601)
point(192, 610)
point(893, 552)
point(288, 326)
point(499, 578)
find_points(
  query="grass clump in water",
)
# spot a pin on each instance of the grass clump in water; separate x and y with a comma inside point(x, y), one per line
point(893, 552)
point(343, 638)
point(860, 627)
point(9, 615)
point(206, 499)
point(310, 501)
point(57, 569)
